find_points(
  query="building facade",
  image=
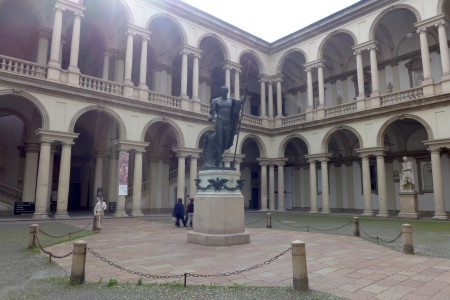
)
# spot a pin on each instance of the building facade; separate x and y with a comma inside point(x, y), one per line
point(331, 109)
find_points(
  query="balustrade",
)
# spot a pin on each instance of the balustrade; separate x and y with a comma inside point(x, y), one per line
point(342, 109)
point(22, 67)
point(165, 100)
point(293, 120)
point(100, 85)
point(402, 96)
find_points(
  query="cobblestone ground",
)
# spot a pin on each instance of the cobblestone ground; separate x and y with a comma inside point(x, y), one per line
point(27, 274)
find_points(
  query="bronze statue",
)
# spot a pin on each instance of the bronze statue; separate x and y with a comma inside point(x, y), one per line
point(227, 125)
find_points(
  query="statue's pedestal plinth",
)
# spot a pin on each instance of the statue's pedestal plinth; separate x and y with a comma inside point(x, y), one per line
point(219, 218)
point(408, 205)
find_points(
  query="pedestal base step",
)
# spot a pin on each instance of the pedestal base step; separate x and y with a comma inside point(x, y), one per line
point(207, 239)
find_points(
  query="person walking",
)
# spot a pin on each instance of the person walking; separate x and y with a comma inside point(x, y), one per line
point(178, 212)
point(190, 212)
point(99, 210)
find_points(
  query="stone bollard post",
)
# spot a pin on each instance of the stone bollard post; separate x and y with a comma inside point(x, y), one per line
point(356, 226)
point(32, 240)
point(78, 262)
point(300, 273)
point(269, 220)
point(408, 246)
point(95, 223)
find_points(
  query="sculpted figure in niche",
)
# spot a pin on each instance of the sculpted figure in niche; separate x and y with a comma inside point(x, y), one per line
point(407, 175)
point(339, 100)
point(390, 87)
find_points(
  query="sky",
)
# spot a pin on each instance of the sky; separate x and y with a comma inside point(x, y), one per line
point(270, 20)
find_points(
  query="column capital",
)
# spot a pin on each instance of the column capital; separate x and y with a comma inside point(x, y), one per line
point(186, 49)
point(372, 151)
point(58, 136)
point(32, 146)
point(228, 64)
point(45, 33)
point(136, 30)
point(357, 49)
point(101, 152)
point(280, 161)
point(313, 64)
point(263, 161)
point(318, 157)
point(263, 78)
point(437, 144)
point(277, 77)
point(185, 152)
point(124, 145)
point(430, 22)
point(70, 6)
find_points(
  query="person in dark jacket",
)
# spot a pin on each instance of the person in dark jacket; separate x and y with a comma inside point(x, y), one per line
point(178, 212)
point(190, 211)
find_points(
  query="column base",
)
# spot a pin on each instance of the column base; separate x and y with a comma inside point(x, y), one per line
point(121, 214)
point(313, 211)
point(38, 216)
point(137, 213)
point(263, 209)
point(281, 209)
point(62, 216)
point(440, 217)
point(368, 213)
point(383, 215)
point(325, 211)
point(428, 87)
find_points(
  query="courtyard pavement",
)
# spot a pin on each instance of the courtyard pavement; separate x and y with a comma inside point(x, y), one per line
point(344, 266)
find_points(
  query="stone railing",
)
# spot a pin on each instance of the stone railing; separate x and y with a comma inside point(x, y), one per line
point(100, 85)
point(402, 96)
point(165, 100)
point(342, 109)
point(293, 120)
point(22, 67)
point(9, 194)
point(204, 108)
point(251, 120)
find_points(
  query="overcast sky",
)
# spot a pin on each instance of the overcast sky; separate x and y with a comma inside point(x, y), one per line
point(270, 20)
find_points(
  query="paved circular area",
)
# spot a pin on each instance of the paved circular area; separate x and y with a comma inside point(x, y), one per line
point(341, 265)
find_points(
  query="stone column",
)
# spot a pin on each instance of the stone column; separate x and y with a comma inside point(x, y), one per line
point(425, 54)
point(98, 179)
point(31, 167)
point(443, 46)
point(137, 184)
point(56, 38)
point(143, 67)
point(193, 172)
point(184, 73)
point(195, 78)
point(263, 185)
point(263, 98)
point(43, 47)
point(279, 99)
point(105, 73)
point(374, 71)
point(75, 45)
point(281, 185)
point(367, 192)
point(120, 204)
point(129, 58)
point(50, 176)
point(310, 89)
point(42, 181)
point(325, 190)
point(360, 74)
point(313, 186)
point(321, 85)
point(271, 187)
point(113, 179)
point(237, 87)
point(64, 181)
point(269, 83)
point(439, 203)
point(382, 194)
point(181, 176)
point(228, 78)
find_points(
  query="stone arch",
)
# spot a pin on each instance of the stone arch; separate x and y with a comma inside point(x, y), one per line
point(181, 31)
point(384, 12)
point(128, 13)
point(108, 111)
point(35, 10)
point(201, 133)
point(283, 58)
point(258, 141)
point(178, 132)
point(329, 134)
point(40, 108)
point(223, 45)
point(287, 139)
point(329, 36)
point(383, 128)
point(258, 60)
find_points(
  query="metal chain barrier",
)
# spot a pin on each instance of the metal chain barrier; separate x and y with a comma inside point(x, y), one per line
point(185, 275)
point(381, 239)
point(254, 222)
point(64, 235)
point(50, 253)
point(314, 228)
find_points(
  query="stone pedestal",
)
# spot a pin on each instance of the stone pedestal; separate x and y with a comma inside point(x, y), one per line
point(219, 218)
point(408, 205)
